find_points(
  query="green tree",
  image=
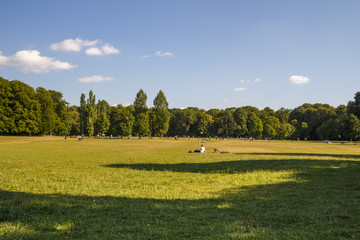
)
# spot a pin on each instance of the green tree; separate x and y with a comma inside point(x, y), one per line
point(141, 125)
point(352, 127)
point(328, 130)
point(83, 113)
point(121, 121)
point(48, 115)
point(271, 126)
point(140, 102)
point(285, 131)
point(159, 121)
point(354, 106)
point(304, 130)
point(160, 101)
point(74, 116)
point(240, 117)
point(25, 110)
point(160, 115)
point(203, 124)
point(102, 122)
point(181, 120)
point(255, 125)
point(61, 109)
point(225, 124)
point(90, 113)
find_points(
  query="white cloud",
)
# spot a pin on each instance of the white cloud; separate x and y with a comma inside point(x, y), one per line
point(30, 61)
point(244, 81)
point(255, 80)
point(145, 56)
point(108, 49)
point(105, 50)
point(94, 51)
point(95, 78)
point(295, 79)
point(239, 89)
point(163, 54)
point(72, 44)
point(225, 100)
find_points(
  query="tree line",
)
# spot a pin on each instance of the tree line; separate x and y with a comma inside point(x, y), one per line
point(28, 111)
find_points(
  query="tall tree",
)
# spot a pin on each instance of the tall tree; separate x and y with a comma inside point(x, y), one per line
point(140, 102)
point(121, 120)
point(141, 125)
point(225, 124)
point(160, 115)
point(102, 122)
point(255, 125)
point(83, 113)
point(354, 106)
point(203, 124)
point(240, 117)
point(160, 101)
point(271, 126)
point(48, 115)
point(74, 116)
point(352, 127)
point(90, 111)
point(20, 111)
point(181, 120)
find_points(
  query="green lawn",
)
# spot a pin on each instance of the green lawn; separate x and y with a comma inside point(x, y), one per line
point(51, 188)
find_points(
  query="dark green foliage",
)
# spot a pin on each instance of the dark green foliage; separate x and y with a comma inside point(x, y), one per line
point(102, 119)
point(83, 113)
point(140, 102)
point(159, 121)
point(255, 125)
point(90, 113)
point(240, 118)
point(121, 121)
point(74, 116)
point(160, 115)
point(141, 125)
point(24, 111)
point(181, 120)
point(160, 101)
point(225, 124)
point(354, 106)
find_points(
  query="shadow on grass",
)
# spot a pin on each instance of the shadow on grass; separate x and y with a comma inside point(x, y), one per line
point(237, 166)
point(323, 205)
point(341, 156)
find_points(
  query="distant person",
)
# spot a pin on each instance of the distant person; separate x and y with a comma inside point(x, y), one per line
point(220, 151)
point(201, 150)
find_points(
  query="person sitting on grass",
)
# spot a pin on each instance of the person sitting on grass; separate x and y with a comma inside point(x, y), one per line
point(201, 150)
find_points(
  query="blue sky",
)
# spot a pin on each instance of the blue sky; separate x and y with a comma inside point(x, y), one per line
point(206, 54)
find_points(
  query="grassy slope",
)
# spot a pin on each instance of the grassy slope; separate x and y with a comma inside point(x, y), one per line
point(153, 189)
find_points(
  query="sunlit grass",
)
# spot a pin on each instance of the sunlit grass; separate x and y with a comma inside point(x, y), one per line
point(51, 188)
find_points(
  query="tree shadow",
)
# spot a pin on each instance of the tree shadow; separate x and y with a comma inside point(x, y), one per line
point(323, 204)
point(236, 166)
point(341, 156)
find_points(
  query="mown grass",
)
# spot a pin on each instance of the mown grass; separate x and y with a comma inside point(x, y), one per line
point(51, 188)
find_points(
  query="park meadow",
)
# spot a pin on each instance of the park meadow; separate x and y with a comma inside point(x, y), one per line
point(52, 188)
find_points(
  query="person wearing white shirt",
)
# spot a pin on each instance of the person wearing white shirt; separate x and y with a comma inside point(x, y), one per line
point(201, 150)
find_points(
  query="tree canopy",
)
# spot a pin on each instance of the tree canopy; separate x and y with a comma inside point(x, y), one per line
point(26, 111)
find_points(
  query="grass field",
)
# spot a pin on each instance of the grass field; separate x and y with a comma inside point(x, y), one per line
point(51, 188)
